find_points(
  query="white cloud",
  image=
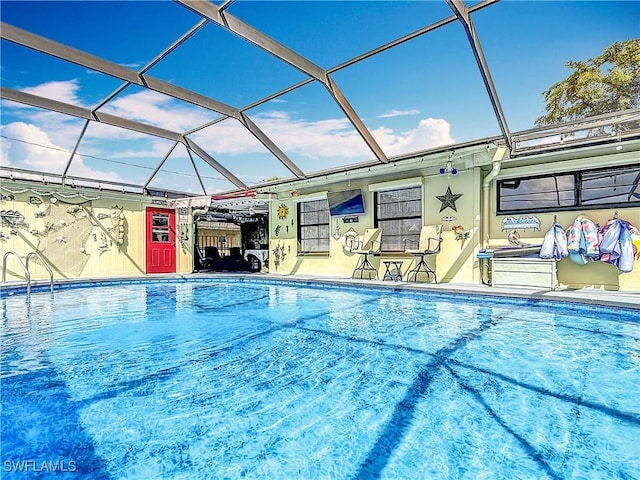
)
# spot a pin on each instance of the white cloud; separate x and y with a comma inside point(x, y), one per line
point(398, 113)
point(103, 131)
point(62, 130)
point(157, 109)
point(62, 91)
point(319, 139)
point(228, 137)
point(430, 133)
point(5, 145)
point(311, 144)
point(32, 149)
point(134, 65)
point(330, 138)
point(147, 107)
point(327, 139)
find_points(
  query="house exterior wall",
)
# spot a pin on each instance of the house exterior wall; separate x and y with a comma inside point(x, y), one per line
point(457, 262)
point(59, 233)
point(571, 275)
point(84, 234)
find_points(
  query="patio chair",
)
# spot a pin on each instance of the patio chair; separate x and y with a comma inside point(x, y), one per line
point(235, 261)
point(429, 244)
point(369, 245)
point(202, 262)
point(213, 257)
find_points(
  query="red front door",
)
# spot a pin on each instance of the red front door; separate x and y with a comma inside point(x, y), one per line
point(161, 240)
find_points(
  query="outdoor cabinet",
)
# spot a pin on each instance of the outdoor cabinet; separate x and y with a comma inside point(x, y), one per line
point(524, 272)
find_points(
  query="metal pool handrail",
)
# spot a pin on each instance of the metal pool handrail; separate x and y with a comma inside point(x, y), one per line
point(43, 263)
point(24, 268)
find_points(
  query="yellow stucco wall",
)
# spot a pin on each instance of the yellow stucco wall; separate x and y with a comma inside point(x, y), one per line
point(78, 235)
point(103, 256)
point(457, 263)
point(571, 275)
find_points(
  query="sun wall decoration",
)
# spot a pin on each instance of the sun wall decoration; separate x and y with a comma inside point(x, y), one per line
point(283, 211)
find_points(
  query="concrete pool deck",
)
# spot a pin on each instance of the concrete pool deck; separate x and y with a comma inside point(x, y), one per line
point(594, 296)
point(589, 296)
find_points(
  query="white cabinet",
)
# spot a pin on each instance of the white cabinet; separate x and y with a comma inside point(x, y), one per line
point(524, 272)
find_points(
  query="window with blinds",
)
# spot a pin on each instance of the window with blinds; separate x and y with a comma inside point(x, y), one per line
point(399, 215)
point(314, 226)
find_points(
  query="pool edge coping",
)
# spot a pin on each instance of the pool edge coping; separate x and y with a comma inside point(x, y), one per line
point(616, 299)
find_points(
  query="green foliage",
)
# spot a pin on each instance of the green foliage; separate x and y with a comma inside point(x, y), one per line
point(605, 84)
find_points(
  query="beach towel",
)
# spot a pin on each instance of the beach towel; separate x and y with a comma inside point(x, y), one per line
point(616, 246)
point(583, 244)
point(554, 244)
point(609, 235)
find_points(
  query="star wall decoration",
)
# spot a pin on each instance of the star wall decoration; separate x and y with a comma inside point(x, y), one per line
point(448, 199)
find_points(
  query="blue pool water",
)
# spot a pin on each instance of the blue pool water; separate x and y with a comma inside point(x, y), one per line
point(244, 379)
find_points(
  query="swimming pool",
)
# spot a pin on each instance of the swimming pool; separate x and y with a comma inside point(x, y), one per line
point(257, 379)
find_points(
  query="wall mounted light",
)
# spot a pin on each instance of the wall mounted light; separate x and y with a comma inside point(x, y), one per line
point(449, 169)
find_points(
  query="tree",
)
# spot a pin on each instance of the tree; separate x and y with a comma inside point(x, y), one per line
point(605, 84)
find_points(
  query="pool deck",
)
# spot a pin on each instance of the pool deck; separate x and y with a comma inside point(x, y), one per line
point(590, 296)
point(623, 299)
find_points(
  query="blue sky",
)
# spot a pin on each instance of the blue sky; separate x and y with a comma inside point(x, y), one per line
point(418, 95)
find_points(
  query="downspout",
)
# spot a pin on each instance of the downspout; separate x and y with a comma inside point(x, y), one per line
point(486, 184)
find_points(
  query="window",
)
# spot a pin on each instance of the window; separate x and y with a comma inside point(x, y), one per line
point(314, 226)
point(602, 188)
point(528, 194)
point(399, 215)
point(160, 228)
point(619, 186)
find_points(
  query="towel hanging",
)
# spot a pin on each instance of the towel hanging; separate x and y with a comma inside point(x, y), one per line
point(554, 244)
point(582, 240)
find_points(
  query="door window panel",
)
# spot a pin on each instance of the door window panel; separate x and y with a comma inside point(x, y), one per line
point(160, 228)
